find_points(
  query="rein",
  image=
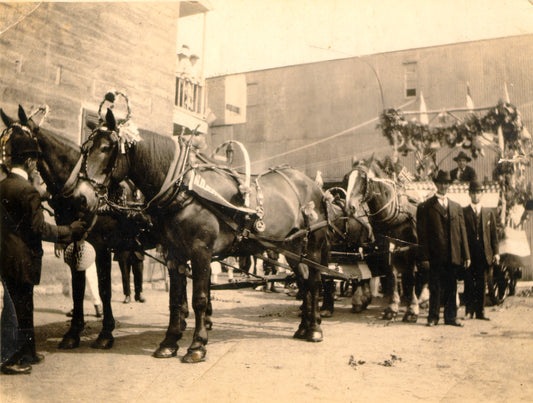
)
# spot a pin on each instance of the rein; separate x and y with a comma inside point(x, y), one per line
point(393, 201)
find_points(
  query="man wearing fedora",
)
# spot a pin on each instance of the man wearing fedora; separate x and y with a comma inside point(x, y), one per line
point(480, 225)
point(463, 172)
point(444, 245)
point(22, 228)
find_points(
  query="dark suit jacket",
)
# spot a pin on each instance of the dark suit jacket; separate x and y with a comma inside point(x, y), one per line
point(431, 232)
point(468, 175)
point(488, 234)
point(22, 229)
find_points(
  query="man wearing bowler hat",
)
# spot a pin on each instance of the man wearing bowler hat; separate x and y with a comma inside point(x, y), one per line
point(444, 245)
point(483, 242)
point(463, 172)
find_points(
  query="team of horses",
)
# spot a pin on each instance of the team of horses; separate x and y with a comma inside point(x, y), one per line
point(201, 211)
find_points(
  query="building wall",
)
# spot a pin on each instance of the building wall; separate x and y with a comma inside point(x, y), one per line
point(68, 55)
point(318, 116)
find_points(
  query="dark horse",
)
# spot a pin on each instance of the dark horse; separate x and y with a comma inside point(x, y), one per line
point(351, 240)
point(392, 217)
point(58, 159)
point(202, 214)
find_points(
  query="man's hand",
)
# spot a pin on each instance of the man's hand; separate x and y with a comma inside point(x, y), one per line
point(496, 259)
point(467, 263)
point(78, 229)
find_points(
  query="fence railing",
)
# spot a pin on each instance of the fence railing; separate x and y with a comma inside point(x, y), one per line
point(189, 95)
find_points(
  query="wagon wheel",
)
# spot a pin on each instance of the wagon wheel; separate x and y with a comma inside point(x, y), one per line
point(499, 285)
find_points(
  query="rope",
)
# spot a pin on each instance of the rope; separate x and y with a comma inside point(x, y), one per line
point(342, 133)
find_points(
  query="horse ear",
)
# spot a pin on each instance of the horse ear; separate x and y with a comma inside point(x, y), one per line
point(22, 116)
point(6, 119)
point(111, 123)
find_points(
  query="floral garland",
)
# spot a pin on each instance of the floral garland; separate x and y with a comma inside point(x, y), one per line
point(471, 134)
point(509, 136)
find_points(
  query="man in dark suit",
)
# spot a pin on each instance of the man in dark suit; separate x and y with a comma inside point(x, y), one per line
point(22, 228)
point(443, 243)
point(483, 242)
point(463, 172)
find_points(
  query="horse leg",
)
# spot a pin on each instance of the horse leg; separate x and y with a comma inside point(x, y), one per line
point(391, 289)
point(105, 339)
point(357, 298)
point(314, 332)
point(367, 293)
point(408, 277)
point(179, 310)
point(209, 310)
point(328, 301)
point(71, 339)
point(200, 260)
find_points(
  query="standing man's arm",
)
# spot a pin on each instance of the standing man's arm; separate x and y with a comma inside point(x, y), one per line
point(465, 250)
point(421, 232)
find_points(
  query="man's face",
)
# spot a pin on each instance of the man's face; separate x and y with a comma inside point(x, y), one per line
point(461, 163)
point(442, 188)
point(475, 197)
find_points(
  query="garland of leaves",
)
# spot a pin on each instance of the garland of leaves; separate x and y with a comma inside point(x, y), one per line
point(509, 136)
point(470, 134)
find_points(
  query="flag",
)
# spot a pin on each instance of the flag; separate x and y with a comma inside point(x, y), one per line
point(501, 142)
point(506, 93)
point(423, 110)
point(469, 102)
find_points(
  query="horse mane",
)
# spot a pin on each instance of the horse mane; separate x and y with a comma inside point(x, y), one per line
point(155, 150)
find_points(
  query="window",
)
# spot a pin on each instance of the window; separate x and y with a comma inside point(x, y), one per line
point(410, 79)
point(87, 116)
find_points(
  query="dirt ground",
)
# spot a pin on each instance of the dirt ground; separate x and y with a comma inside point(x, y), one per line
point(253, 357)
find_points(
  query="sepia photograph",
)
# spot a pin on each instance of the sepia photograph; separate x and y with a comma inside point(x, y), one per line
point(282, 200)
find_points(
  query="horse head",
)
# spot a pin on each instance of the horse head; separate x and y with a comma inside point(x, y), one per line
point(357, 186)
point(102, 161)
point(56, 160)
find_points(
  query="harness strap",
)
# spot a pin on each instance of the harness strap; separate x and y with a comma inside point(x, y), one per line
point(72, 180)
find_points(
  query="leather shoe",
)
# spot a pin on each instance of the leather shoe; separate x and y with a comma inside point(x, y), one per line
point(432, 323)
point(16, 369)
point(37, 359)
point(127, 299)
point(482, 317)
point(139, 298)
point(454, 323)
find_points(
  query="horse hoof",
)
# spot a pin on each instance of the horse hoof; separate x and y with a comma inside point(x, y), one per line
point(165, 352)
point(410, 318)
point(300, 334)
point(357, 308)
point(389, 315)
point(103, 343)
point(326, 313)
point(314, 336)
point(196, 355)
point(69, 342)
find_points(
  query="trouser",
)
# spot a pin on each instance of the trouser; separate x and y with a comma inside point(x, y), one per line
point(442, 287)
point(22, 297)
point(9, 325)
point(128, 262)
point(474, 295)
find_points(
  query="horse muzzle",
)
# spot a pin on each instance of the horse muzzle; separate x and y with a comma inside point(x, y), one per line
point(86, 198)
